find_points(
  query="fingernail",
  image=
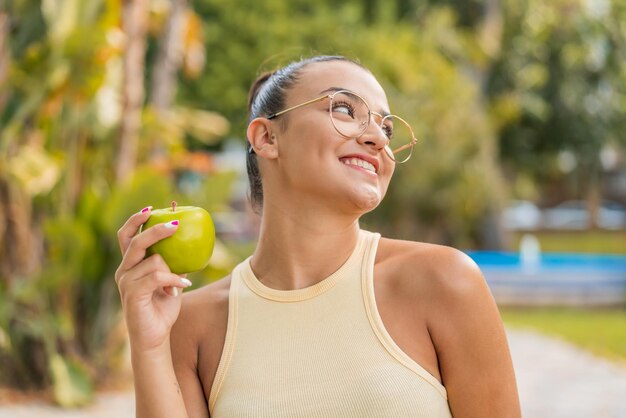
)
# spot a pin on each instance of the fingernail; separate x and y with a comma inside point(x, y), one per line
point(186, 282)
point(146, 209)
point(174, 291)
point(171, 224)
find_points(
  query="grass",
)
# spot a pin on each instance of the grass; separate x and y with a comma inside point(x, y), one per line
point(602, 332)
point(595, 241)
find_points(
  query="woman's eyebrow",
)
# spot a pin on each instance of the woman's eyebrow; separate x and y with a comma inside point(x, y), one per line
point(328, 90)
point(333, 89)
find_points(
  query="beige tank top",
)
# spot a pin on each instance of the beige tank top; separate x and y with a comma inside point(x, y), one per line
point(321, 351)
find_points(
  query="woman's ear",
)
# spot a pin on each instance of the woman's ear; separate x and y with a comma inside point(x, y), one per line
point(262, 139)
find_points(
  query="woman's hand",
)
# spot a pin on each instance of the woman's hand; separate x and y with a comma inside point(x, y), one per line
point(148, 289)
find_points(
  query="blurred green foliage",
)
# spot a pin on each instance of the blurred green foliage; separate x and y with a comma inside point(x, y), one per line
point(60, 205)
point(560, 71)
point(488, 86)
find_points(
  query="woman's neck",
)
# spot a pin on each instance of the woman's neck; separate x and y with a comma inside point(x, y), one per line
point(298, 248)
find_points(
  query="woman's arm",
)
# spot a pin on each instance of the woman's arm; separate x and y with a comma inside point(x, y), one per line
point(167, 379)
point(470, 341)
point(157, 391)
point(184, 341)
point(151, 300)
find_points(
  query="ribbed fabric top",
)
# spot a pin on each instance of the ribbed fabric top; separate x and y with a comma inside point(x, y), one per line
point(320, 351)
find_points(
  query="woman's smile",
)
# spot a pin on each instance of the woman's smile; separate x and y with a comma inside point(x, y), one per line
point(360, 165)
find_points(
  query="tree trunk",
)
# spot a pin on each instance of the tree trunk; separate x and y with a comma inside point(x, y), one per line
point(16, 240)
point(491, 28)
point(168, 62)
point(491, 233)
point(15, 234)
point(169, 58)
point(134, 24)
point(4, 54)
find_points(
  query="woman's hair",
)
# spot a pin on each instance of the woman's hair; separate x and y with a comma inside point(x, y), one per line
point(267, 96)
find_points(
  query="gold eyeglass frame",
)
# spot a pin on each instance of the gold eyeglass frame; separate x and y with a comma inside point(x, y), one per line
point(390, 153)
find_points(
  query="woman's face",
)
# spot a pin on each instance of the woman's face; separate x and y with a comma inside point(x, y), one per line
point(315, 159)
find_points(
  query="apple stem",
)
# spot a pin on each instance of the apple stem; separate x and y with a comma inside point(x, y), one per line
point(174, 206)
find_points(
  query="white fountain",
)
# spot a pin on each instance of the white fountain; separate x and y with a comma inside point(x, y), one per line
point(530, 254)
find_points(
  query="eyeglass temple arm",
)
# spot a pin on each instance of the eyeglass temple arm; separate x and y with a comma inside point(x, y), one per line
point(405, 146)
point(272, 116)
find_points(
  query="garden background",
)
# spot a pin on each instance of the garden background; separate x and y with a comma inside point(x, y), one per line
point(107, 106)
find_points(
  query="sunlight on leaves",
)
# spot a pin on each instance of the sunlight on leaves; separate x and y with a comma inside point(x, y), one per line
point(36, 170)
point(71, 385)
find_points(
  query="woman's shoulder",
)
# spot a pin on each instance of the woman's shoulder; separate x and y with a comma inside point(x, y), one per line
point(210, 297)
point(204, 309)
point(429, 269)
point(444, 284)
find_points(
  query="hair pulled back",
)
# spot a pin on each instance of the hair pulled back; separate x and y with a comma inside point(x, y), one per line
point(267, 96)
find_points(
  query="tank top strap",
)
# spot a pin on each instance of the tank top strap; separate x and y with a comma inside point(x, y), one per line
point(231, 330)
point(376, 321)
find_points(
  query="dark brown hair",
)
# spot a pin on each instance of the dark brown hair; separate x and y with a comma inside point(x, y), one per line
point(267, 96)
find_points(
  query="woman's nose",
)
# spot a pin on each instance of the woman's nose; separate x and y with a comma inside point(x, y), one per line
point(374, 135)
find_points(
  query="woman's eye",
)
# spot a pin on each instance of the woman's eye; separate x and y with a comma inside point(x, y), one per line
point(344, 108)
point(388, 130)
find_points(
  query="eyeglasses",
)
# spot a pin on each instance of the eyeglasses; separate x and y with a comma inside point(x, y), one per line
point(351, 116)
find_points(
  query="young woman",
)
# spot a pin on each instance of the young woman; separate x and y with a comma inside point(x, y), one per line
point(324, 319)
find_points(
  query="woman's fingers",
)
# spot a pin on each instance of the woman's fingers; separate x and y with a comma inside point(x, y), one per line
point(153, 281)
point(126, 233)
point(136, 250)
point(153, 263)
point(148, 266)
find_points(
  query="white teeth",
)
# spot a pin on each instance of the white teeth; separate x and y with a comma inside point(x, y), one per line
point(360, 163)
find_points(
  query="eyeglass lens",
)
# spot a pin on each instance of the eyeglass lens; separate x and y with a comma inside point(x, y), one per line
point(350, 115)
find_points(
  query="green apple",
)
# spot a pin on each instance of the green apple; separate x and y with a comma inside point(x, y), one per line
point(190, 248)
